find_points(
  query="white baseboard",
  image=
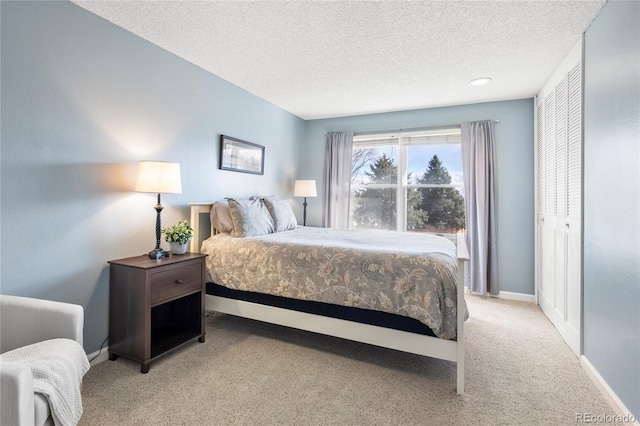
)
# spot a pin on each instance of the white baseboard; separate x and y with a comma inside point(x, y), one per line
point(522, 297)
point(608, 393)
point(99, 356)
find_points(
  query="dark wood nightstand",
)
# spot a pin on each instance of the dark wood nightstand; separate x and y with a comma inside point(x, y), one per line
point(155, 305)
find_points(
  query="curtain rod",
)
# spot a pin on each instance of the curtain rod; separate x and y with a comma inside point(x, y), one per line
point(413, 128)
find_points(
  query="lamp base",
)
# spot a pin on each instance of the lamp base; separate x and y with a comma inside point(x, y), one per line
point(158, 253)
point(304, 215)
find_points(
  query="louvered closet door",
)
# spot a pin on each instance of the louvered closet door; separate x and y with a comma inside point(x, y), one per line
point(540, 190)
point(546, 288)
point(573, 203)
point(558, 199)
point(559, 215)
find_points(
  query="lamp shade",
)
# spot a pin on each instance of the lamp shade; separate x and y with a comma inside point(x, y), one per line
point(159, 177)
point(305, 188)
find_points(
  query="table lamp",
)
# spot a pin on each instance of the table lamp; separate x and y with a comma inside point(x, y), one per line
point(158, 177)
point(305, 188)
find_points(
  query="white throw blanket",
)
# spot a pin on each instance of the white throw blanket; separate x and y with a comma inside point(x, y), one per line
point(58, 366)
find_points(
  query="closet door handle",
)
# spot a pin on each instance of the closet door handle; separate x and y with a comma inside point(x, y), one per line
point(178, 281)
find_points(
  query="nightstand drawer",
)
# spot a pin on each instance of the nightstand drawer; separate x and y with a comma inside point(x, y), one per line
point(175, 282)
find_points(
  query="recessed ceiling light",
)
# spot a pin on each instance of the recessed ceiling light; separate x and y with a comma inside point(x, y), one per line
point(480, 81)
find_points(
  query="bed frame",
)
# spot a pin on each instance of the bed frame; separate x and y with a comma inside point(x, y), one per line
point(449, 350)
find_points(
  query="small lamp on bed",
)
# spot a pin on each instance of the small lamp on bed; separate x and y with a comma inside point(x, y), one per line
point(305, 188)
point(158, 177)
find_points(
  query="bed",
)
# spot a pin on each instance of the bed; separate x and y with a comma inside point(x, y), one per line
point(303, 278)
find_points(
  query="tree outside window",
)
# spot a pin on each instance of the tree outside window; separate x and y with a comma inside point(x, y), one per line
point(444, 206)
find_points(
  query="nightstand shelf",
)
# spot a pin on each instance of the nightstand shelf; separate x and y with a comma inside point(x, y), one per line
point(156, 305)
point(167, 338)
point(174, 323)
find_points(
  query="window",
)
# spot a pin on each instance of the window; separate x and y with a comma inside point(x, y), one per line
point(408, 182)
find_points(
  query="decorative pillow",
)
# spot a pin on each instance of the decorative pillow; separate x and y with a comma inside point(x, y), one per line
point(283, 217)
point(221, 217)
point(250, 218)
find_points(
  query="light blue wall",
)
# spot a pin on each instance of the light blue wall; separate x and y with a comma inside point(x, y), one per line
point(514, 172)
point(82, 102)
point(612, 199)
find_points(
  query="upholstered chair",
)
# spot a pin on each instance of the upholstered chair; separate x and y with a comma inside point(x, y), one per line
point(23, 322)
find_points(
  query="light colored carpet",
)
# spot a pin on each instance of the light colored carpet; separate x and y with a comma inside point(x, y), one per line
point(519, 372)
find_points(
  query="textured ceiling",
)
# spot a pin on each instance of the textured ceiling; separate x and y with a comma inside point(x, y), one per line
point(327, 59)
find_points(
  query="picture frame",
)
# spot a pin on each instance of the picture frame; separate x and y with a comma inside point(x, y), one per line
point(241, 156)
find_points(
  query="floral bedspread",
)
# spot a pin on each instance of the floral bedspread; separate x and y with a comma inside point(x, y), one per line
point(407, 274)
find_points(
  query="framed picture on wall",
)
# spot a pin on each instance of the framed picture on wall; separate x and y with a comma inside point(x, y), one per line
point(241, 156)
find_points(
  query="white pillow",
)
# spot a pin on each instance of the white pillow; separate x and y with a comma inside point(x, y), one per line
point(250, 218)
point(280, 210)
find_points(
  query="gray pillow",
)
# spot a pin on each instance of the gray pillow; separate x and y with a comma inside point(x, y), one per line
point(283, 217)
point(250, 218)
point(221, 217)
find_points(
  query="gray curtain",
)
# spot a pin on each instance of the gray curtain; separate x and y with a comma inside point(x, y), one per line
point(479, 195)
point(337, 180)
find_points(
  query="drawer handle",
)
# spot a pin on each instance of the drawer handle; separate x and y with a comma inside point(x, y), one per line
point(178, 281)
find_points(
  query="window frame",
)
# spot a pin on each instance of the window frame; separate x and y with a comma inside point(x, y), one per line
point(403, 138)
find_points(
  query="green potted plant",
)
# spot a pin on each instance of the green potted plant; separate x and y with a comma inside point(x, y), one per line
point(178, 236)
